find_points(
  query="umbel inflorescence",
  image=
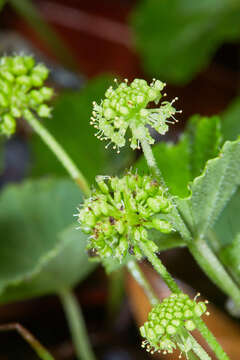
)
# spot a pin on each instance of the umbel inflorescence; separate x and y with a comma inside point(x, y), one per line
point(119, 213)
point(126, 107)
point(21, 90)
point(166, 320)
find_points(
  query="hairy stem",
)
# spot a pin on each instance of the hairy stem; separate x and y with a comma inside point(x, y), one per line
point(211, 340)
point(59, 152)
point(160, 268)
point(77, 325)
point(137, 274)
point(187, 346)
point(198, 349)
point(29, 338)
point(214, 269)
point(201, 252)
point(151, 161)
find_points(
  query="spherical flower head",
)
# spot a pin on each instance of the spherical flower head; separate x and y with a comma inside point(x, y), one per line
point(165, 321)
point(126, 107)
point(21, 89)
point(119, 213)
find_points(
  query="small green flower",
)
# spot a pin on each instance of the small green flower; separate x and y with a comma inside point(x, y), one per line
point(119, 213)
point(21, 89)
point(126, 107)
point(162, 331)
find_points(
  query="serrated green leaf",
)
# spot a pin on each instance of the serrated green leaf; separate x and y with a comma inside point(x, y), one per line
point(31, 216)
point(180, 163)
point(213, 189)
point(70, 126)
point(66, 269)
point(231, 120)
point(177, 38)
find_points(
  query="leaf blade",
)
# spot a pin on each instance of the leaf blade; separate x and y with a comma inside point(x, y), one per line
point(212, 190)
point(69, 266)
point(31, 215)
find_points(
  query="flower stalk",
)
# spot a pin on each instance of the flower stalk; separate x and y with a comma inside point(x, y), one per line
point(137, 274)
point(39, 349)
point(77, 325)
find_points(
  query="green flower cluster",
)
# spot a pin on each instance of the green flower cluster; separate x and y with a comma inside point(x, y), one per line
point(120, 211)
point(21, 89)
point(165, 321)
point(125, 107)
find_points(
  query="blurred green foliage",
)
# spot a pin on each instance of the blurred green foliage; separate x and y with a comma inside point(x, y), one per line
point(231, 120)
point(32, 217)
point(177, 38)
point(67, 266)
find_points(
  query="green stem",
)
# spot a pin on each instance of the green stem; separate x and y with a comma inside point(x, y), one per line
point(201, 252)
point(159, 267)
point(77, 325)
point(182, 341)
point(210, 339)
point(151, 161)
point(30, 339)
point(115, 292)
point(137, 274)
point(214, 269)
point(59, 152)
point(198, 349)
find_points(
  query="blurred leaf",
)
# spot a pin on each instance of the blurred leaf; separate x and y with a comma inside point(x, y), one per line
point(166, 241)
point(70, 125)
point(173, 162)
point(31, 217)
point(180, 163)
point(2, 2)
point(230, 256)
point(211, 191)
point(228, 225)
point(2, 142)
point(31, 14)
point(231, 121)
point(66, 269)
point(204, 141)
point(177, 38)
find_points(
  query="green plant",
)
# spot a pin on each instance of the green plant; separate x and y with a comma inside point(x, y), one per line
point(179, 191)
point(178, 38)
